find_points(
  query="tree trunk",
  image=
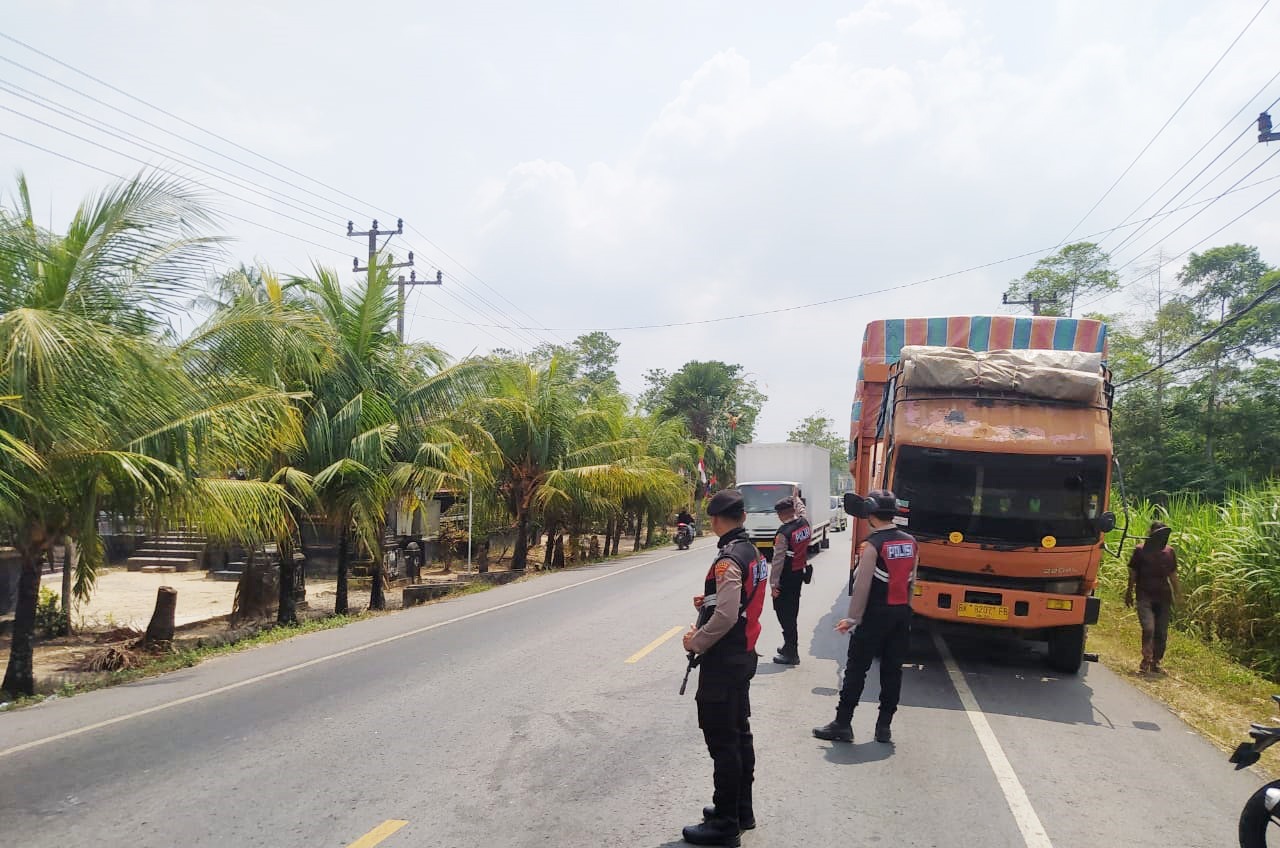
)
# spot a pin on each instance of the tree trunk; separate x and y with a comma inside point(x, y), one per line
point(549, 554)
point(340, 601)
point(608, 537)
point(482, 556)
point(286, 608)
point(1211, 411)
point(70, 561)
point(521, 556)
point(558, 559)
point(617, 537)
point(639, 530)
point(19, 676)
point(648, 536)
point(160, 630)
point(377, 598)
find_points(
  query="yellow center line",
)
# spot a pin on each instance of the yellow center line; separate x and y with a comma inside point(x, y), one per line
point(379, 833)
point(649, 648)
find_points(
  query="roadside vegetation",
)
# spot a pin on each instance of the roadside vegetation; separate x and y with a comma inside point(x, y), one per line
point(1229, 567)
point(292, 407)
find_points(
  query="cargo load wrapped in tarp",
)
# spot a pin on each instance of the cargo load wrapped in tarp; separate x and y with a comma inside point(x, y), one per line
point(1064, 375)
point(882, 341)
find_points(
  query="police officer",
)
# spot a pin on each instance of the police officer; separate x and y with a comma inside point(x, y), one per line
point(725, 644)
point(880, 617)
point(789, 572)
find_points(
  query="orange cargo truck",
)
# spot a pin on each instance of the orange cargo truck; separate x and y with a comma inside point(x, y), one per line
point(995, 433)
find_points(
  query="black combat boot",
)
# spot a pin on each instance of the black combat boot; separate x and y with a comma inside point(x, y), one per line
point(714, 831)
point(883, 733)
point(746, 818)
point(835, 732)
point(787, 657)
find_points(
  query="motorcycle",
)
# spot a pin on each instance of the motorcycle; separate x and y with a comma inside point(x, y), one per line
point(1262, 811)
point(684, 536)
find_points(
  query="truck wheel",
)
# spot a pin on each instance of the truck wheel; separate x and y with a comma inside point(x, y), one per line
point(1066, 648)
point(826, 543)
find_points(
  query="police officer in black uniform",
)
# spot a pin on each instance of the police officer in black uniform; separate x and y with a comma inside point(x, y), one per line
point(790, 570)
point(880, 617)
point(724, 642)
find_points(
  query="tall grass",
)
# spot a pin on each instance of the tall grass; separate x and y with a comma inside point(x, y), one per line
point(1229, 565)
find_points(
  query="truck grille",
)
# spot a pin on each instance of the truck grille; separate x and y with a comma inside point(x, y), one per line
point(994, 581)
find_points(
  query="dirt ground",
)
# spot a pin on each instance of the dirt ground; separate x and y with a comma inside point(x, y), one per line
point(123, 601)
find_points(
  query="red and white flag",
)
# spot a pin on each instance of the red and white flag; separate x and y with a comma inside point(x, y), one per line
point(702, 471)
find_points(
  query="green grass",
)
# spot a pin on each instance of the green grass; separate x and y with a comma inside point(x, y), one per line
point(1229, 565)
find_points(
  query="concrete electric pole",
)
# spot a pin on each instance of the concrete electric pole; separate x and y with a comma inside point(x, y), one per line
point(373, 233)
point(1034, 302)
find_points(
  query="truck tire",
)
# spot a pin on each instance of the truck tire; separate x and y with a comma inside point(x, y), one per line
point(826, 543)
point(1066, 648)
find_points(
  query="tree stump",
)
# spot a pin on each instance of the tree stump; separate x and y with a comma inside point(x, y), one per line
point(161, 627)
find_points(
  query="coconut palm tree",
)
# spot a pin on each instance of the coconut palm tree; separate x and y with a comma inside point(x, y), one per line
point(105, 414)
point(382, 423)
point(554, 458)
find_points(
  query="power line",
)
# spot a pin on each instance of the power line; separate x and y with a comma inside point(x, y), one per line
point(123, 136)
point(160, 150)
point(346, 209)
point(829, 301)
point(1230, 320)
point(154, 166)
point(1178, 256)
point(179, 118)
point(1166, 124)
point(113, 174)
point(1134, 234)
point(1204, 208)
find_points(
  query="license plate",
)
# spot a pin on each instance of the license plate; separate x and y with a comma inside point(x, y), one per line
point(982, 611)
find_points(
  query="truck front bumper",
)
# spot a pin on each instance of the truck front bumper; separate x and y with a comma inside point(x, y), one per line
point(995, 607)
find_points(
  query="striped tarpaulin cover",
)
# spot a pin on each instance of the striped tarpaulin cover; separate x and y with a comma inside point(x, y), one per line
point(882, 341)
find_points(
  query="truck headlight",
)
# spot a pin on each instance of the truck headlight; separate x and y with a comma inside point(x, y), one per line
point(1063, 587)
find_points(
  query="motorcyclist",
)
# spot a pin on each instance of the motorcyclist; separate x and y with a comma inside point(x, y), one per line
point(684, 518)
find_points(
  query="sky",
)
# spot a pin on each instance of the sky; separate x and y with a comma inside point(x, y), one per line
point(581, 166)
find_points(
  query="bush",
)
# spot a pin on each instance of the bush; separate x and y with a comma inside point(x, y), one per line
point(1229, 566)
point(49, 618)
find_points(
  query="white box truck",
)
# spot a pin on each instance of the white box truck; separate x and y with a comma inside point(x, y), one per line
point(768, 471)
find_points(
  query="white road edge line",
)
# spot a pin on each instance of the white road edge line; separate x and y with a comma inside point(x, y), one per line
point(1033, 832)
point(249, 681)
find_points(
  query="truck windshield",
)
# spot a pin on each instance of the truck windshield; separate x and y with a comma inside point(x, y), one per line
point(1001, 498)
point(760, 497)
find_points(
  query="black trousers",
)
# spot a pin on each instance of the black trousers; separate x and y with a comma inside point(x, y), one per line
point(787, 606)
point(885, 632)
point(724, 712)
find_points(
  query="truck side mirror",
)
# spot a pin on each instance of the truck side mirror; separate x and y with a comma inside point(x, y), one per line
point(1107, 522)
point(855, 505)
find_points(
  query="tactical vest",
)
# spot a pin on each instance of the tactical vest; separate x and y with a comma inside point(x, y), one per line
point(741, 638)
point(799, 535)
point(895, 565)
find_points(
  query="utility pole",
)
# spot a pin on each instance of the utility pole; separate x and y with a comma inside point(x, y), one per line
point(372, 234)
point(1264, 129)
point(1034, 302)
point(413, 280)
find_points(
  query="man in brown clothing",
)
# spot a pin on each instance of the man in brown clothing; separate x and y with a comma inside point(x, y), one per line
point(1153, 573)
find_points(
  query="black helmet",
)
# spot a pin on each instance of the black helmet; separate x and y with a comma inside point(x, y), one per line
point(883, 503)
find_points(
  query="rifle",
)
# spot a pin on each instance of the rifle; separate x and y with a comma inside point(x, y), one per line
point(704, 615)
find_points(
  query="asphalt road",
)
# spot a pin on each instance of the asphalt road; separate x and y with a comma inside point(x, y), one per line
point(514, 718)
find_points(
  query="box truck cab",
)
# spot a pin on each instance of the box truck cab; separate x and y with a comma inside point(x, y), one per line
point(768, 472)
point(995, 434)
